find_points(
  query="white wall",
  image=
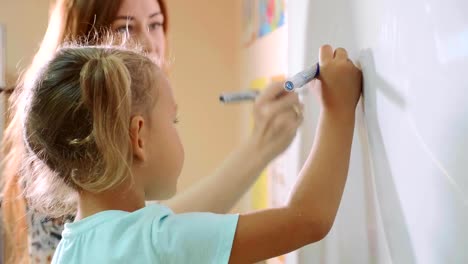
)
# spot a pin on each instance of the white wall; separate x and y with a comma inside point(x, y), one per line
point(204, 44)
point(406, 199)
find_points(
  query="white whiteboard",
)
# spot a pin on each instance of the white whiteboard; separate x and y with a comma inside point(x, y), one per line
point(406, 199)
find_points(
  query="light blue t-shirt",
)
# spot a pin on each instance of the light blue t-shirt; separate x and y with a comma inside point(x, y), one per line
point(153, 234)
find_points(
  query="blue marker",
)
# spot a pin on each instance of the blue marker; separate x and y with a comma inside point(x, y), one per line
point(302, 78)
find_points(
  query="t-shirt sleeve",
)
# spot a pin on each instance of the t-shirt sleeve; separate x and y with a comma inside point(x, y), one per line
point(194, 238)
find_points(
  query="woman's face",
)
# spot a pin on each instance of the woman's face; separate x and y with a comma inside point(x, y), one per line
point(142, 20)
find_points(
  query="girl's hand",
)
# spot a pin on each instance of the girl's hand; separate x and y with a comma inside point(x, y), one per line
point(339, 84)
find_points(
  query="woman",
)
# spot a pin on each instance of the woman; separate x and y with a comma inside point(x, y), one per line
point(32, 236)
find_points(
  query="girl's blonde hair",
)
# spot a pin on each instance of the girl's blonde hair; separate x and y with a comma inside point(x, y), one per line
point(76, 123)
point(69, 20)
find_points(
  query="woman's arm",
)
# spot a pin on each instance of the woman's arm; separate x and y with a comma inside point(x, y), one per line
point(219, 192)
point(275, 127)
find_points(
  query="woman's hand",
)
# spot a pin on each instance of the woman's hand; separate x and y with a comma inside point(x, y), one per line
point(277, 115)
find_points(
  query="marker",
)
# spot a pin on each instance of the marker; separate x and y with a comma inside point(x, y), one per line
point(291, 84)
point(302, 78)
point(235, 97)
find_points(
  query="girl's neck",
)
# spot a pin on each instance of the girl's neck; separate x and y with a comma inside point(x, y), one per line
point(128, 199)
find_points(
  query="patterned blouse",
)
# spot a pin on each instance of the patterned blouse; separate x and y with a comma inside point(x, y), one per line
point(44, 234)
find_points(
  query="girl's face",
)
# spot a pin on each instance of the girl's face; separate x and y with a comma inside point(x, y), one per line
point(142, 20)
point(164, 151)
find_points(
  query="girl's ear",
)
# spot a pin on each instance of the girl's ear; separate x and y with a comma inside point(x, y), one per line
point(136, 137)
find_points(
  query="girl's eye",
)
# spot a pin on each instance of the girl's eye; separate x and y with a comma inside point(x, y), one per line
point(176, 120)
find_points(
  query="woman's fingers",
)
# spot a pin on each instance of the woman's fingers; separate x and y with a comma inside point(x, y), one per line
point(285, 125)
point(288, 102)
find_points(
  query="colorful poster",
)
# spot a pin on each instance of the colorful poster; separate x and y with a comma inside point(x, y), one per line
point(261, 17)
point(271, 15)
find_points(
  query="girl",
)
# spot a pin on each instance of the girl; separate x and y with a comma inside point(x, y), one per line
point(29, 235)
point(99, 128)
